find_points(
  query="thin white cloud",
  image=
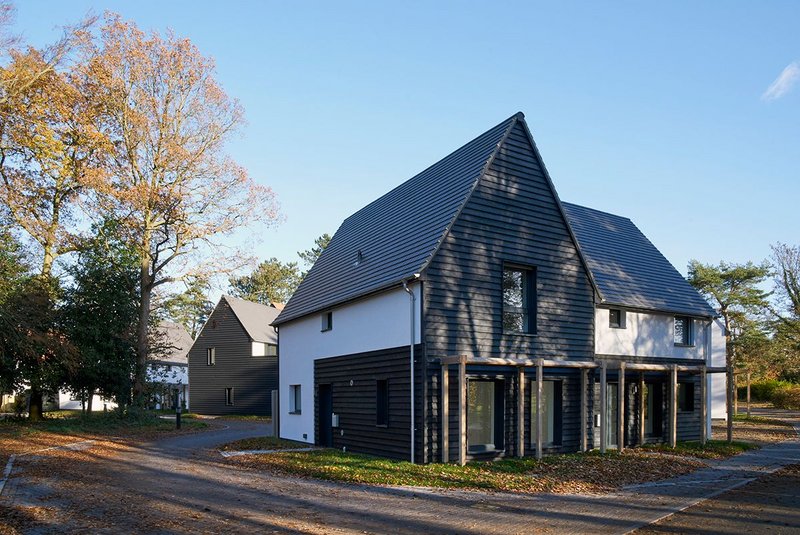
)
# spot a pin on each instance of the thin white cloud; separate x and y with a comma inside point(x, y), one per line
point(784, 83)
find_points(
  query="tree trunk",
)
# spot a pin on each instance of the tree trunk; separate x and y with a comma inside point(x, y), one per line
point(35, 412)
point(90, 398)
point(146, 289)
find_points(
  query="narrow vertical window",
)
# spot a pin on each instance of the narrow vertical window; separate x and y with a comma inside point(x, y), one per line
point(211, 357)
point(551, 413)
point(382, 402)
point(686, 397)
point(229, 396)
point(683, 331)
point(519, 300)
point(616, 318)
point(295, 403)
point(327, 321)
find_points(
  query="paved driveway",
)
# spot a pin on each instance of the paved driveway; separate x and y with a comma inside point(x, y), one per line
point(180, 485)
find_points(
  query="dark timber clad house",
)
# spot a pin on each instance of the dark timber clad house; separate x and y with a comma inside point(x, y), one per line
point(471, 281)
point(233, 364)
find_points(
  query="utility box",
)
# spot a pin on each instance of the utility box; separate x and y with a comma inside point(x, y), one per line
point(334, 420)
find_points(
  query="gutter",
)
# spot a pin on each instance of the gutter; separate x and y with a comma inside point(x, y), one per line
point(412, 338)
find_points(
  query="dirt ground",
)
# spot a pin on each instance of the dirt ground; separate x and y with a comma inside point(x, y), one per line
point(768, 505)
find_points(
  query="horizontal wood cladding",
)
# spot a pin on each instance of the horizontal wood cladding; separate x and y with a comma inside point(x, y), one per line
point(353, 381)
point(252, 378)
point(511, 217)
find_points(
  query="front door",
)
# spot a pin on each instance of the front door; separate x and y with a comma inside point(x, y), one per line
point(325, 416)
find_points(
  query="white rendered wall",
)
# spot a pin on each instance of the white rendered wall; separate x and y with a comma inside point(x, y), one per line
point(717, 381)
point(379, 322)
point(67, 403)
point(646, 335)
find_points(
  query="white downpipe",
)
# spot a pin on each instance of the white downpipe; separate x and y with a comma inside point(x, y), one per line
point(412, 302)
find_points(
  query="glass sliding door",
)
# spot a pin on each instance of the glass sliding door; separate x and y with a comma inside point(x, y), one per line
point(481, 412)
point(551, 405)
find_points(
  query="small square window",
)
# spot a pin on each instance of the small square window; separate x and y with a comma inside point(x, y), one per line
point(229, 396)
point(686, 397)
point(211, 356)
point(295, 399)
point(327, 321)
point(272, 350)
point(616, 318)
point(683, 331)
point(382, 402)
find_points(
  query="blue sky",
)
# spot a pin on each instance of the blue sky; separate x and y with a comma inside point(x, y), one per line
point(656, 111)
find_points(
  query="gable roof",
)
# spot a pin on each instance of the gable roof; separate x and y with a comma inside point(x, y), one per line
point(393, 238)
point(255, 318)
point(172, 343)
point(628, 269)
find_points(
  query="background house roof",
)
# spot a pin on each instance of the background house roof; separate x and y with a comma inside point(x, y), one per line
point(627, 268)
point(255, 318)
point(393, 238)
point(171, 343)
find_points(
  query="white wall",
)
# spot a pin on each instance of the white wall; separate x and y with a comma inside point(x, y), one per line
point(646, 335)
point(379, 322)
point(717, 381)
point(170, 375)
point(67, 402)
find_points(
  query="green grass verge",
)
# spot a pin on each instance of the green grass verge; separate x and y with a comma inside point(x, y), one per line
point(75, 423)
point(760, 420)
point(713, 449)
point(253, 417)
point(263, 443)
point(589, 472)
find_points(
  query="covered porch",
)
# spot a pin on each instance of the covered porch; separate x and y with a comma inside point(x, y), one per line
point(609, 426)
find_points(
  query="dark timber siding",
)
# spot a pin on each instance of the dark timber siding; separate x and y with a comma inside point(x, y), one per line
point(511, 217)
point(253, 378)
point(355, 403)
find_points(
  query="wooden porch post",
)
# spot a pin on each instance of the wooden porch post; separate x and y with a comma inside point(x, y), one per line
point(462, 412)
point(539, 373)
point(703, 407)
point(642, 407)
point(584, 406)
point(603, 407)
point(520, 412)
point(735, 394)
point(445, 413)
point(621, 408)
point(673, 407)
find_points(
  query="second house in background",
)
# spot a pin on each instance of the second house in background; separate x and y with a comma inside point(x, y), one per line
point(233, 364)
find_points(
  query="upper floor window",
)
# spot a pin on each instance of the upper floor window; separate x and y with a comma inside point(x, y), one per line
point(211, 356)
point(327, 321)
point(264, 349)
point(519, 300)
point(616, 318)
point(683, 331)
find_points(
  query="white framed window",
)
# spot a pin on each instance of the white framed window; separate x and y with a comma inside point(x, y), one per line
point(295, 399)
point(327, 321)
point(683, 334)
point(211, 356)
point(229, 396)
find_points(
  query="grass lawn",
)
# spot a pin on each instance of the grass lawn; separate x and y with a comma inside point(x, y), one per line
point(248, 417)
point(63, 427)
point(588, 472)
point(713, 449)
point(760, 420)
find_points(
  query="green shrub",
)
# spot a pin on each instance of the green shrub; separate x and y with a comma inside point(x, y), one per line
point(763, 390)
point(787, 397)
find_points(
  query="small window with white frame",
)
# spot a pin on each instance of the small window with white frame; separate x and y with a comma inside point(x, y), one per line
point(211, 356)
point(616, 318)
point(295, 399)
point(683, 335)
point(327, 321)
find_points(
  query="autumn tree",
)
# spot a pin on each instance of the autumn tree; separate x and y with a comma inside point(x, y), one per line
point(786, 313)
point(271, 282)
point(190, 308)
point(735, 291)
point(172, 185)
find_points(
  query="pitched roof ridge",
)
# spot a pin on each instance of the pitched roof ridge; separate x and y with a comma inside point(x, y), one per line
point(512, 121)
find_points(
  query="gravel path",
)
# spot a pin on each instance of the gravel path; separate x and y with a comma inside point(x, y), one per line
point(179, 485)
